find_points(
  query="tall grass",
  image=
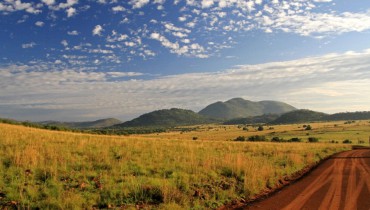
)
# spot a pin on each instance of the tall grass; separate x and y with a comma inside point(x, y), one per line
point(59, 170)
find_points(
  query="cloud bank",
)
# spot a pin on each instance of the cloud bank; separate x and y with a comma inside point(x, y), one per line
point(329, 83)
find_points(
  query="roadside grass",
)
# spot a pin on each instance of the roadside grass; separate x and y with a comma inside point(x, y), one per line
point(60, 170)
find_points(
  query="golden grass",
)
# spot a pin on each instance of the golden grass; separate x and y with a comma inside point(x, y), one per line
point(60, 170)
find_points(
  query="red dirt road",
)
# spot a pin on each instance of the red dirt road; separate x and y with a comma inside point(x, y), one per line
point(341, 182)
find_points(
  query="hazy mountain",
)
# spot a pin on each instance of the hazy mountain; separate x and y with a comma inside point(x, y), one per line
point(300, 116)
point(167, 118)
point(84, 125)
point(241, 108)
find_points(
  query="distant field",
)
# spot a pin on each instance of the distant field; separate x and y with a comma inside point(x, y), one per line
point(324, 131)
point(60, 170)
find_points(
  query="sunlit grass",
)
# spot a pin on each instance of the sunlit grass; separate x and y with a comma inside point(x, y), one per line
point(48, 169)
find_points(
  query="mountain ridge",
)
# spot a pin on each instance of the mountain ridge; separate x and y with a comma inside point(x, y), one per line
point(167, 118)
point(241, 108)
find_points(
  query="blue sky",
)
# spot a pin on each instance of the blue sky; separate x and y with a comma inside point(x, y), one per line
point(83, 60)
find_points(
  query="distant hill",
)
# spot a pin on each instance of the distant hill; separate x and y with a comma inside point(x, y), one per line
point(167, 118)
point(349, 116)
point(252, 120)
point(241, 108)
point(300, 116)
point(84, 125)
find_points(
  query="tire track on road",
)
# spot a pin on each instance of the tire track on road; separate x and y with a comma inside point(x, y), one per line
point(341, 182)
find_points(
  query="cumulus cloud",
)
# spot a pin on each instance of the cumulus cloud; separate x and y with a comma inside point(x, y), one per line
point(18, 5)
point(64, 43)
point(28, 45)
point(73, 33)
point(71, 12)
point(39, 23)
point(97, 30)
point(137, 4)
point(329, 83)
point(118, 9)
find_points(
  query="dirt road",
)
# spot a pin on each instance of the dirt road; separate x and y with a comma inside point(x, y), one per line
point(341, 182)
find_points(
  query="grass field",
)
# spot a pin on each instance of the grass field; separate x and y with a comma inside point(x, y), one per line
point(60, 170)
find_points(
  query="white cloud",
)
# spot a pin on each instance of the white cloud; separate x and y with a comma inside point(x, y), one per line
point(48, 2)
point(207, 3)
point(97, 30)
point(118, 9)
point(73, 33)
point(64, 43)
point(71, 12)
point(68, 4)
point(28, 45)
point(18, 5)
point(137, 4)
point(39, 23)
point(320, 24)
point(329, 83)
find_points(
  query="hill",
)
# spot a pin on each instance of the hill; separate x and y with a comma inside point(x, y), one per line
point(252, 120)
point(300, 116)
point(349, 116)
point(167, 118)
point(102, 123)
point(241, 108)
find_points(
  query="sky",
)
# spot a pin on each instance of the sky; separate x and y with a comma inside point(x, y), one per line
point(75, 60)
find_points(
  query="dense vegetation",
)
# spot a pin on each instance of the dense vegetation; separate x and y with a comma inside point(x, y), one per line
point(103, 123)
point(42, 169)
point(349, 116)
point(300, 116)
point(264, 119)
point(240, 108)
point(167, 118)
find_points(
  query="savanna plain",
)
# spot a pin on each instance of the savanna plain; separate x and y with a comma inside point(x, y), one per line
point(198, 167)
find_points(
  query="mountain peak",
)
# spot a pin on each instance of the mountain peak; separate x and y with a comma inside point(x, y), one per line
point(239, 108)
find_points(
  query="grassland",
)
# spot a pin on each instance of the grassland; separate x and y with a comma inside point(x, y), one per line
point(60, 170)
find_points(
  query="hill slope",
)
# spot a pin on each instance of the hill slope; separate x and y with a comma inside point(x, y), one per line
point(167, 118)
point(84, 125)
point(349, 116)
point(241, 108)
point(300, 116)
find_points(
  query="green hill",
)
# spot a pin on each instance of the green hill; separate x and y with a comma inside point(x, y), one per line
point(252, 120)
point(84, 125)
point(167, 118)
point(349, 116)
point(300, 116)
point(241, 108)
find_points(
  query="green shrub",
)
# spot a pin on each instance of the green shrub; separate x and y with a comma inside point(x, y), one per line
point(347, 141)
point(257, 138)
point(295, 139)
point(240, 138)
point(276, 139)
point(313, 139)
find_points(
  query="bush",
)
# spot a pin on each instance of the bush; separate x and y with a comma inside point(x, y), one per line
point(240, 138)
point(347, 141)
point(308, 127)
point(276, 139)
point(245, 129)
point(295, 139)
point(257, 138)
point(313, 139)
point(195, 138)
point(260, 128)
